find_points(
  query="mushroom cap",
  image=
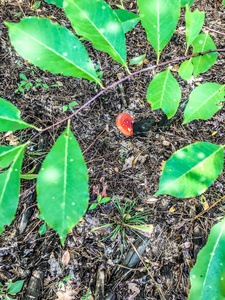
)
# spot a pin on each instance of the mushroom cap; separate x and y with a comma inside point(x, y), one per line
point(124, 123)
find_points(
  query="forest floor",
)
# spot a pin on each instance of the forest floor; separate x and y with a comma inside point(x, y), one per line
point(126, 168)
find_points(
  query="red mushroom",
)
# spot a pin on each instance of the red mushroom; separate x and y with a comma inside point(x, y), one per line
point(124, 123)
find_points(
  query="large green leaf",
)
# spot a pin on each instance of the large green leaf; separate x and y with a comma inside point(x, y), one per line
point(96, 21)
point(184, 2)
point(58, 3)
point(127, 18)
point(164, 92)
point(202, 63)
point(10, 167)
point(62, 185)
point(10, 117)
point(204, 102)
point(186, 69)
point(159, 19)
point(51, 47)
point(191, 170)
point(208, 275)
point(194, 21)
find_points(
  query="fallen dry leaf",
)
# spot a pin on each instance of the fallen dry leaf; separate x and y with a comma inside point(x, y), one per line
point(67, 295)
point(65, 258)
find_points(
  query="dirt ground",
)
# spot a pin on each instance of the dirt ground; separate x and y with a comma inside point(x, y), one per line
point(124, 167)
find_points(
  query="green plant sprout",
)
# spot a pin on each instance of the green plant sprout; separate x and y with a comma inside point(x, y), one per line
point(11, 288)
point(100, 201)
point(86, 297)
point(127, 218)
point(70, 106)
point(61, 282)
point(189, 171)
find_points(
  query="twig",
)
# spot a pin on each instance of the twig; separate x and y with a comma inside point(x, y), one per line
point(146, 268)
point(121, 80)
point(93, 141)
point(207, 28)
point(20, 8)
point(201, 213)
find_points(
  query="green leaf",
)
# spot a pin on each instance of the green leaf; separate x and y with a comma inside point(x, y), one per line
point(95, 20)
point(191, 170)
point(208, 275)
point(22, 76)
point(104, 200)
point(51, 47)
point(36, 5)
point(43, 229)
point(202, 63)
point(137, 60)
point(11, 160)
point(184, 2)
point(10, 118)
point(127, 18)
point(28, 176)
point(16, 287)
point(159, 18)
point(58, 3)
point(22, 83)
point(65, 107)
point(93, 206)
point(186, 69)
point(29, 86)
point(164, 92)
point(204, 102)
point(62, 185)
point(194, 21)
point(147, 228)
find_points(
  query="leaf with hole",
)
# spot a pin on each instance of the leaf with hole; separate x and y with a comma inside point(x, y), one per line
point(204, 102)
point(10, 168)
point(191, 170)
point(62, 185)
point(208, 274)
point(186, 69)
point(51, 47)
point(96, 21)
point(127, 18)
point(202, 63)
point(10, 118)
point(159, 19)
point(164, 92)
point(194, 21)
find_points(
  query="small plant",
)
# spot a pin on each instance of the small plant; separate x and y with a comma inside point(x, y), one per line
point(100, 201)
point(24, 83)
point(127, 219)
point(70, 106)
point(86, 297)
point(61, 283)
point(11, 288)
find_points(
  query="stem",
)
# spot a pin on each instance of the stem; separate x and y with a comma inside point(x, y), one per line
point(121, 80)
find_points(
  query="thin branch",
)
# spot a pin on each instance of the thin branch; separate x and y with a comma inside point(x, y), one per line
point(213, 30)
point(121, 80)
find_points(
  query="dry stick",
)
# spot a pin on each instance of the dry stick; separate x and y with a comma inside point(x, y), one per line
point(93, 142)
point(161, 292)
point(20, 8)
point(201, 213)
point(121, 80)
point(207, 28)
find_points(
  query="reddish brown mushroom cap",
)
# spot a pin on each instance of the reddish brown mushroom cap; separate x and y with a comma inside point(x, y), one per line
point(124, 123)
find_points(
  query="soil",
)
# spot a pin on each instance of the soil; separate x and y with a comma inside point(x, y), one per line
point(125, 168)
